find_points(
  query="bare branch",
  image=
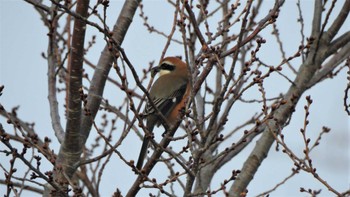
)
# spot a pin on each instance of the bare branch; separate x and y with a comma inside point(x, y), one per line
point(338, 22)
point(104, 65)
point(38, 4)
point(71, 149)
point(347, 89)
point(316, 22)
point(278, 185)
point(331, 65)
point(338, 43)
point(282, 114)
point(26, 162)
point(25, 187)
point(231, 37)
point(261, 25)
point(52, 66)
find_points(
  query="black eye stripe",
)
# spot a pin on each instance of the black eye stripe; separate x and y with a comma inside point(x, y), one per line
point(165, 66)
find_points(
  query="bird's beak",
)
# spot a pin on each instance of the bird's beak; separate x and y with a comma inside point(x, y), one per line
point(154, 71)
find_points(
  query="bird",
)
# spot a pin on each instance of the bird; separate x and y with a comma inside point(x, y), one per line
point(169, 94)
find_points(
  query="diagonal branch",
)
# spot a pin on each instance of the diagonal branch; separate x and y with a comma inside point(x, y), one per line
point(195, 25)
point(338, 22)
point(38, 4)
point(153, 159)
point(338, 43)
point(334, 62)
point(283, 114)
point(262, 23)
point(104, 65)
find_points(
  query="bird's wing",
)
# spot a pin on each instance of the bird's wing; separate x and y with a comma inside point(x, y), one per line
point(166, 104)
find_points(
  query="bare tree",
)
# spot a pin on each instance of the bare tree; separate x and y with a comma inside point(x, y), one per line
point(222, 41)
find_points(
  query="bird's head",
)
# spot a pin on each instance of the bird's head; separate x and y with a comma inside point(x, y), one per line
point(170, 65)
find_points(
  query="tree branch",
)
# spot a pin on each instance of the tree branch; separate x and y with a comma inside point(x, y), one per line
point(25, 187)
point(71, 147)
point(52, 66)
point(338, 43)
point(316, 22)
point(334, 62)
point(338, 22)
point(271, 16)
point(282, 114)
point(104, 65)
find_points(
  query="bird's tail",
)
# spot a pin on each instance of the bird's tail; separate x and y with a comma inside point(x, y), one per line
point(143, 153)
point(145, 143)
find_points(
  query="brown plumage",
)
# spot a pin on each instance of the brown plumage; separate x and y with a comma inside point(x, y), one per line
point(169, 94)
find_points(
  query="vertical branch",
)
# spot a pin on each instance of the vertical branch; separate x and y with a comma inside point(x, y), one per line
point(70, 150)
point(316, 22)
point(346, 91)
point(52, 66)
point(206, 173)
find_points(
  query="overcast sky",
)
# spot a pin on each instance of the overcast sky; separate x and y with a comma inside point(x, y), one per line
point(23, 72)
